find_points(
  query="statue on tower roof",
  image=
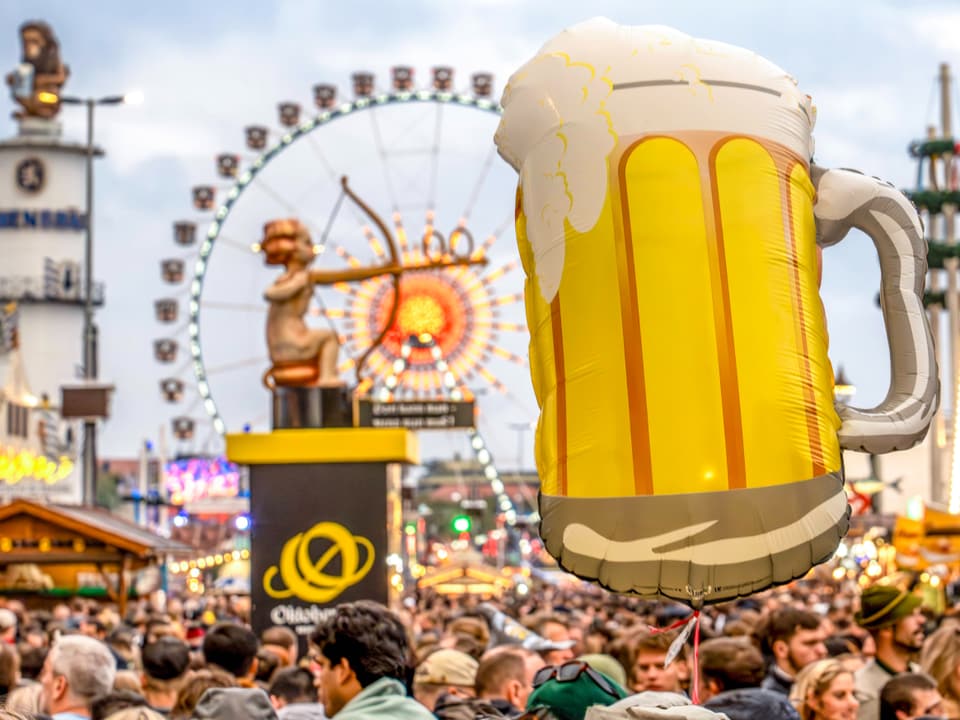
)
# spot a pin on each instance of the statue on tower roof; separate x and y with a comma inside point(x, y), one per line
point(36, 82)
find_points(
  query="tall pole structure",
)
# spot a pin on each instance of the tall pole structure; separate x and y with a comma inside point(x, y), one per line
point(89, 329)
point(938, 428)
point(950, 264)
point(937, 196)
point(90, 373)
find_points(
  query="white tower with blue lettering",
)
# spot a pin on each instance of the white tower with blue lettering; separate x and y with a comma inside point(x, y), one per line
point(42, 221)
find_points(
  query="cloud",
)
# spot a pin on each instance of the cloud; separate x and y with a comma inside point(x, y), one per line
point(939, 29)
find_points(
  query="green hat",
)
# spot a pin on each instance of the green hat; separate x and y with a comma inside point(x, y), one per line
point(570, 700)
point(883, 605)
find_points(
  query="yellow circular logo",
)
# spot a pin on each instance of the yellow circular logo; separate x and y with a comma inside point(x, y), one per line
point(304, 578)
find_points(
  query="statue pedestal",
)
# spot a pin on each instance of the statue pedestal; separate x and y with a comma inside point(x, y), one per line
point(312, 407)
point(325, 512)
point(40, 127)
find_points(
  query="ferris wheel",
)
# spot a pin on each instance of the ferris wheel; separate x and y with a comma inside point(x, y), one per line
point(422, 166)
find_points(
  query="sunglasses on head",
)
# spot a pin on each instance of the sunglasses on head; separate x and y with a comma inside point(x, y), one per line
point(570, 671)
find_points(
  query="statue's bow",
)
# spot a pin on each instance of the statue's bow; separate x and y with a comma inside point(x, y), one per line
point(393, 266)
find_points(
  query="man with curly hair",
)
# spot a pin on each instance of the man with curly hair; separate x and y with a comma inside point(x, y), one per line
point(363, 662)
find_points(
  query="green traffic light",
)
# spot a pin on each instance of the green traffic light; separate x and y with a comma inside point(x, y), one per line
point(461, 524)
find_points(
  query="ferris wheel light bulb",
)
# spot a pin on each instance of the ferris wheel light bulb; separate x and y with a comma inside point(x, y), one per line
point(456, 395)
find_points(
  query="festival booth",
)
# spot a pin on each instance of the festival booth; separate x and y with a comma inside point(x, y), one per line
point(50, 553)
point(932, 538)
point(467, 575)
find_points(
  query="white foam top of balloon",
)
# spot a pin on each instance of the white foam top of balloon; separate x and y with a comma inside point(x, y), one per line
point(598, 83)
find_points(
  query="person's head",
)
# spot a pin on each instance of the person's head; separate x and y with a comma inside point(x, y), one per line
point(444, 672)
point(8, 625)
point(645, 655)
point(26, 699)
point(892, 616)
point(506, 673)
point(31, 661)
point(136, 713)
point(127, 680)
point(195, 686)
point(234, 703)
point(284, 638)
point(824, 690)
point(608, 665)
point(165, 664)
point(793, 638)
point(268, 662)
point(569, 689)
point(292, 685)
point(77, 670)
point(356, 645)
point(105, 706)
point(729, 663)
point(556, 629)
point(92, 627)
point(908, 696)
point(940, 659)
point(9, 668)
point(232, 648)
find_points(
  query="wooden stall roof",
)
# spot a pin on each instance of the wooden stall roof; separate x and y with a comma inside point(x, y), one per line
point(464, 578)
point(94, 526)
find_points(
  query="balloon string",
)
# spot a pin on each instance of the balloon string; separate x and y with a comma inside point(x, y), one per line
point(696, 659)
point(695, 686)
point(679, 623)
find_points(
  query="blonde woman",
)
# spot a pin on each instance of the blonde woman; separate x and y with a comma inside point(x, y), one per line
point(940, 659)
point(824, 690)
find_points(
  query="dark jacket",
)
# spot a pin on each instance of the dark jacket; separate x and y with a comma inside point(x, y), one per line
point(777, 681)
point(752, 704)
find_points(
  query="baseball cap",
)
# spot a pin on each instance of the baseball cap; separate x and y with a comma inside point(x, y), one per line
point(447, 667)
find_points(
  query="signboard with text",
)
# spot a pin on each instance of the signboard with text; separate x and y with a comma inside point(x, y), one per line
point(415, 414)
point(321, 534)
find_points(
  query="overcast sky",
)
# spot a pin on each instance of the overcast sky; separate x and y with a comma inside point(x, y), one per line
point(207, 69)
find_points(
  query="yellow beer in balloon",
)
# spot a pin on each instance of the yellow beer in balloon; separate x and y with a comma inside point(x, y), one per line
point(704, 366)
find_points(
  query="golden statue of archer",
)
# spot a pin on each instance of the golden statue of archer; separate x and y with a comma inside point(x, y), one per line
point(307, 356)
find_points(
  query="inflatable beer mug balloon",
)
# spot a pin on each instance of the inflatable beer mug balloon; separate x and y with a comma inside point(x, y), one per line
point(668, 219)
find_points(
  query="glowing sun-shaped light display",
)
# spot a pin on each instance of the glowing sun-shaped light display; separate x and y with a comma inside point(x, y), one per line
point(446, 327)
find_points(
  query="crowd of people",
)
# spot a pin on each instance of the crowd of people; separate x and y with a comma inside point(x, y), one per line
point(814, 650)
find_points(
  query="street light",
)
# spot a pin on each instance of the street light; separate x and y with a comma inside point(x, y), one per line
point(89, 329)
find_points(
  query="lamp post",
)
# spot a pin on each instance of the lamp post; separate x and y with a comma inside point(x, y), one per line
point(89, 328)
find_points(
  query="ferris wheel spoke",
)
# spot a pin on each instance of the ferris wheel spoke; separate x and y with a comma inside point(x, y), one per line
point(321, 156)
point(237, 245)
point(435, 159)
point(507, 299)
point(378, 140)
point(492, 379)
point(499, 272)
point(506, 354)
point(236, 365)
point(292, 209)
point(237, 307)
point(478, 185)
